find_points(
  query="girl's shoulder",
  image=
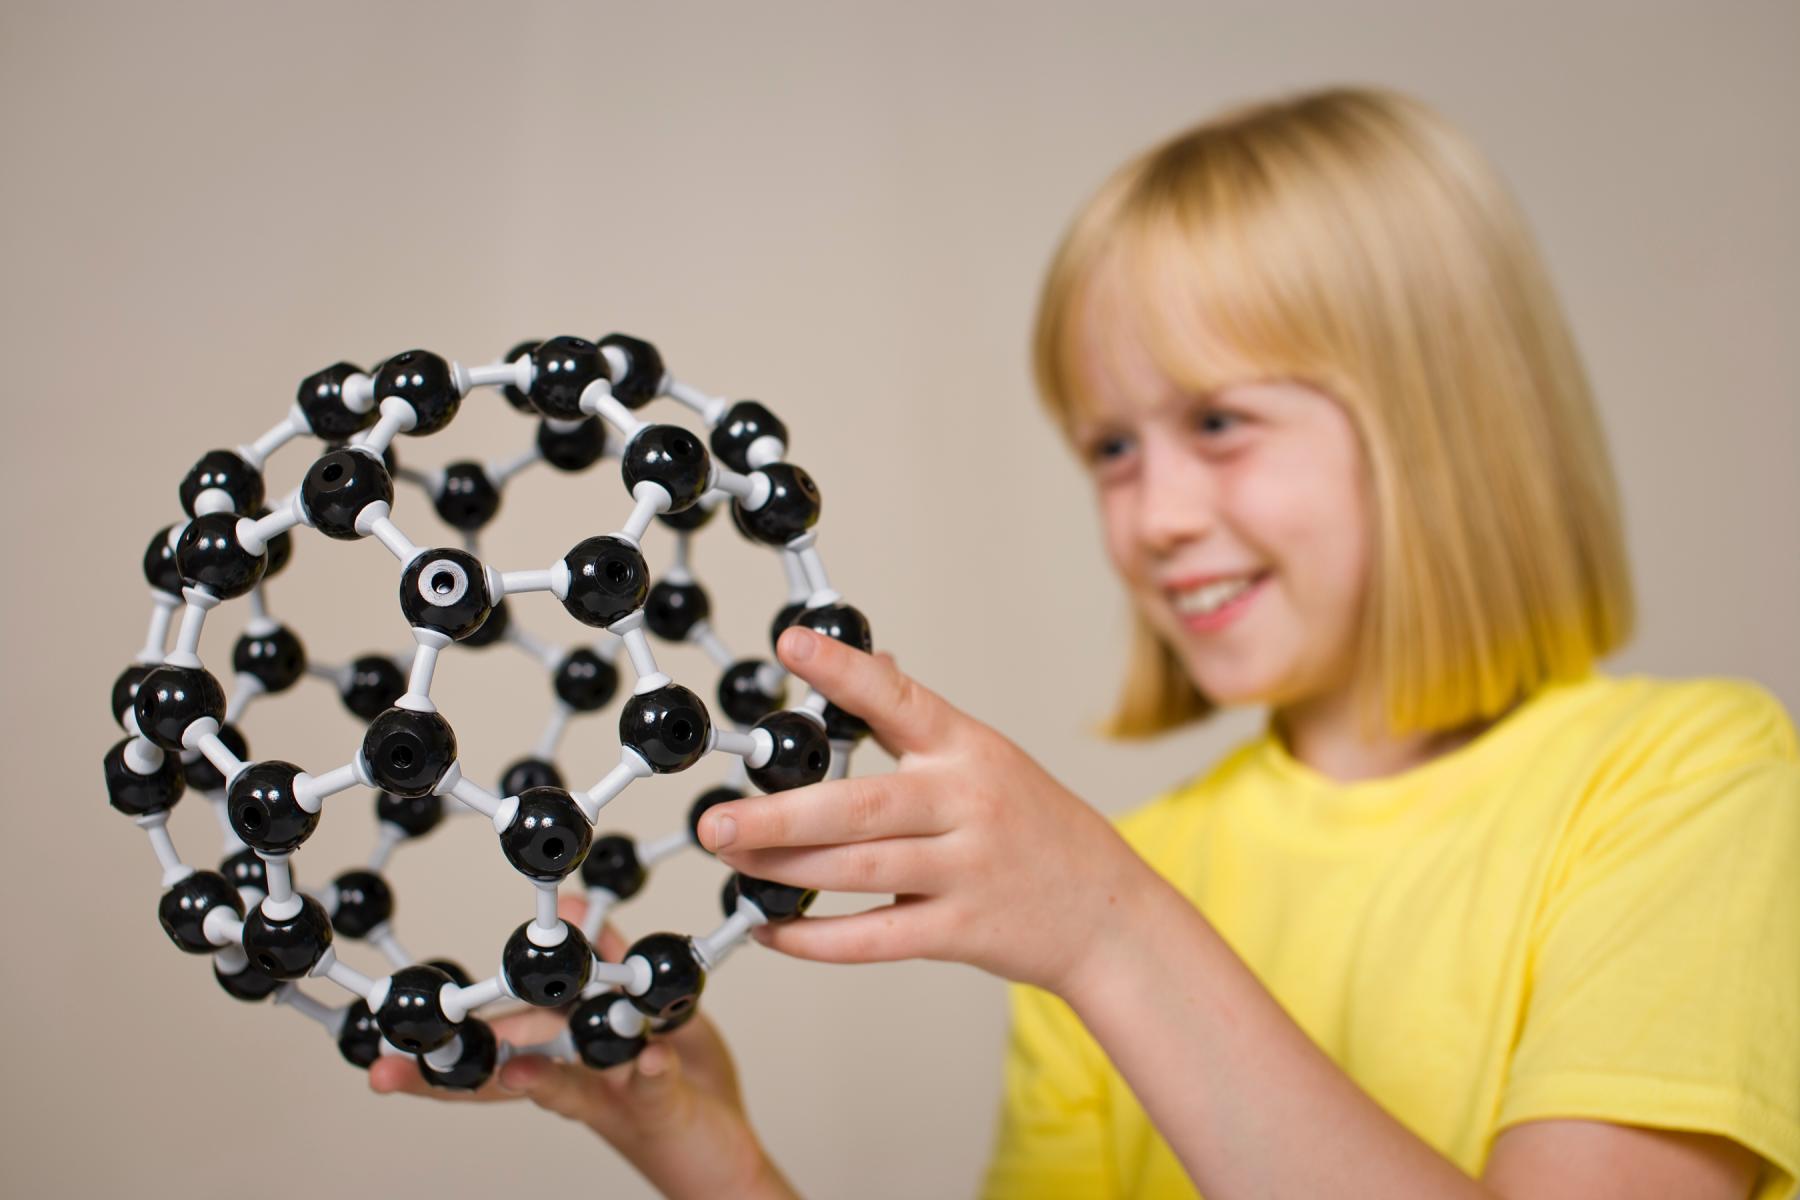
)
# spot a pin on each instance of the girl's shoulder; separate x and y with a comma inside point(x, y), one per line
point(1601, 735)
point(1659, 732)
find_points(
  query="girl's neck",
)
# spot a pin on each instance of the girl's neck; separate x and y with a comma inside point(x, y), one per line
point(1324, 733)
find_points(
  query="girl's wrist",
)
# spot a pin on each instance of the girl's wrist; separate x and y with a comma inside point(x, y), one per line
point(1142, 914)
point(752, 1176)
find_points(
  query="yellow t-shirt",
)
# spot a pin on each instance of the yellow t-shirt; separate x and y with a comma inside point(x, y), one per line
point(1592, 910)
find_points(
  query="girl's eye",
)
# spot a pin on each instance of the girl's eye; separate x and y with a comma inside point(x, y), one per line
point(1210, 420)
point(1102, 450)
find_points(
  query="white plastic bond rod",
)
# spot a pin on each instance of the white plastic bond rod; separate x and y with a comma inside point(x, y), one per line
point(162, 613)
point(424, 663)
point(513, 583)
point(710, 408)
point(631, 766)
point(651, 853)
point(547, 920)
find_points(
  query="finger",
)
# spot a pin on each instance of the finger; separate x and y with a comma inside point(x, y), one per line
point(566, 1089)
point(885, 934)
point(890, 866)
point(857, 809)
point(572, 908)
point(399, 1074)
point(611, 944)
point(904, 714)
point(657, 1078)
point(529, 1025)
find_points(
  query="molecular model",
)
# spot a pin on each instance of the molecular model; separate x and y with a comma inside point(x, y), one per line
point(263, 932)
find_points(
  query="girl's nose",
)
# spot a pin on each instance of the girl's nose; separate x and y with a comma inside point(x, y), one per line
point(1176, 504)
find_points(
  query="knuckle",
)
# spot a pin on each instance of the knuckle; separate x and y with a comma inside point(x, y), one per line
point(865, 866)
point(868, 805)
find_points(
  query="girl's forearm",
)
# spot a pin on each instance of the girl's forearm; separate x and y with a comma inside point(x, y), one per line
point(1250, 1105)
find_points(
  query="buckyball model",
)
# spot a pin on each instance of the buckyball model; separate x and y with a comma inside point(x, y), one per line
point(263, 933)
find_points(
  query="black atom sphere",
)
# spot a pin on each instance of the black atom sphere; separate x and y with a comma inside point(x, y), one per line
point(562, 368)
point(210, 555)
point(741, 693)
point(573, 447)
point(423, 380)
point(274, 657)
point(228, 472)
point(673, 609)
point(171, 698)
point(339, 485)
point(407, 751)
point(612, 863)
point(183, 908)
point(287, 947)
point(321, 400)
point(585, 681)
point(467, 499)
point(676, 974)
point(671, 457)
point(743, 424)
point(801, 755)
point(598, 1043)
point(548, 836)
point(445, 590)
point(792, 508)
point(479, 1054)
point(264, 811)
point(138, 795)
point(777, 901)
point(667, 727)
point(608, 580)
point(364, 902)
point(546, 976)
point(412, 1013)
point(644, 371)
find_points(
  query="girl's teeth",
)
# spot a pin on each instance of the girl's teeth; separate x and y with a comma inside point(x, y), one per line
point(1212, 597)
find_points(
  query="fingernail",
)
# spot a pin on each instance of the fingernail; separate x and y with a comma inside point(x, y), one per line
point(800, 644)
point(724, 832)
point(508, 1080)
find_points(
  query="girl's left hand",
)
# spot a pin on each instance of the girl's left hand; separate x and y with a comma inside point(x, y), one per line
point(991, 861)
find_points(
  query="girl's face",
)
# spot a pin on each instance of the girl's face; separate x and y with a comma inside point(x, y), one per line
point(1260, 483)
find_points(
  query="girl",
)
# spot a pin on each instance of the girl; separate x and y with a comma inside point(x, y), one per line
point(1469, 917)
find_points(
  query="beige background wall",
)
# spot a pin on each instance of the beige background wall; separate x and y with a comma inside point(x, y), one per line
point(842, 210)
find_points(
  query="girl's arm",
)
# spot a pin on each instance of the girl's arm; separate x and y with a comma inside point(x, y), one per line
point(1252, 1106)
point(994, 863)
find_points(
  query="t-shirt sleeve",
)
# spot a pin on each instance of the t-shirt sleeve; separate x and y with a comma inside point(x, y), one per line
point(1665, 983)
point(1051, 1139)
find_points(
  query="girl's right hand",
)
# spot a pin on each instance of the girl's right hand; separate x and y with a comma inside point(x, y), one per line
point(676, 1112)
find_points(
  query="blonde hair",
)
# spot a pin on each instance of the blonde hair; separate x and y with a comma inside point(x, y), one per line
point(1354, 239)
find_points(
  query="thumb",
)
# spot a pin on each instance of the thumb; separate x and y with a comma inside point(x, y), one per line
point(656, 1082)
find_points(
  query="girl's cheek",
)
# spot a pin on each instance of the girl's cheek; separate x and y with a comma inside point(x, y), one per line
point(1116, 529)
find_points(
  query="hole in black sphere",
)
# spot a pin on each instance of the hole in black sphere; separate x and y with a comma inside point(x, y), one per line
point(266, 963)
point(684, 446)
point(679, 1007)
point(250, 818)
point(555, 988)
point(332, 472)
point(401, 757)
point(815, 761)
point(443, 583)
point(554, 847)
point(617, 572)
point(681, 731)
point(410, 1043)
